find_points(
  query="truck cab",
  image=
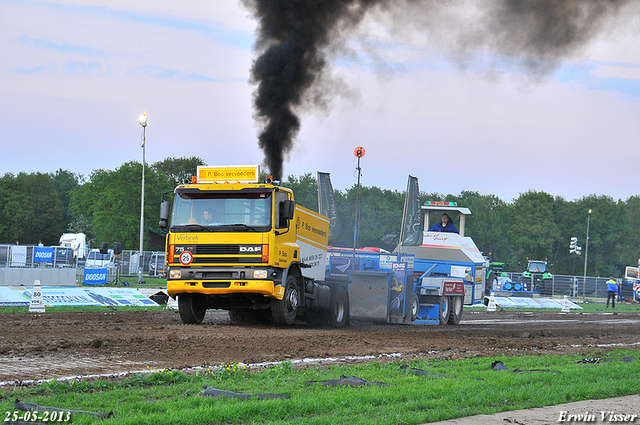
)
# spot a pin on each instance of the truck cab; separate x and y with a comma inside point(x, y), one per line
point(243, 246)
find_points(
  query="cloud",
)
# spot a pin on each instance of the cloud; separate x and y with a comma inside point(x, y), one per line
point(64, 48)
point(158, 73)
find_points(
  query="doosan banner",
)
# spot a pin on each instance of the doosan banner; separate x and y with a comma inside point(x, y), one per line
point(42, 254)
point(95, 276)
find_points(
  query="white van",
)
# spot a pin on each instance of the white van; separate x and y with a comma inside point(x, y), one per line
point(97, 260)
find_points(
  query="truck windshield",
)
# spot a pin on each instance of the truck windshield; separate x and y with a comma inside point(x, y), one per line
point(207, 211)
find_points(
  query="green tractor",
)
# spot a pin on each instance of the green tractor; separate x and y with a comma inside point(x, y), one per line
point(494, 271)
point(538, 275)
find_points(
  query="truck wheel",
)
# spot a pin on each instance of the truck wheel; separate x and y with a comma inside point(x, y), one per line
point(339, 312)
point(415, 307)
point(455, 305)
point(444, 310)
point(284, 311)
point(191, 309)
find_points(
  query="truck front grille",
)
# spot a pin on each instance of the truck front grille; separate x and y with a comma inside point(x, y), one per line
point(223, 254)
point(228, 249)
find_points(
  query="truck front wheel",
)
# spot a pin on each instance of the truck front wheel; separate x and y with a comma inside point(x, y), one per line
point(284, 311)
point(191, 308)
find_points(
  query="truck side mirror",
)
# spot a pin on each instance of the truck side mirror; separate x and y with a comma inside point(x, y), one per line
point(164, 215)
point(287, 209)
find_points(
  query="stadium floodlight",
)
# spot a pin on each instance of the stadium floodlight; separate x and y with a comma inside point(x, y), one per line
point(143, 122)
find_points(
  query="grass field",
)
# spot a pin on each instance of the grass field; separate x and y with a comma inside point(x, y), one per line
point(461, 388)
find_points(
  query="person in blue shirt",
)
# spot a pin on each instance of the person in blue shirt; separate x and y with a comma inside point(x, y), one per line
point(444, 226)
point(612, 292)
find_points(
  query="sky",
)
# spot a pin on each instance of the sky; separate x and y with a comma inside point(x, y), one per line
point(76, 74)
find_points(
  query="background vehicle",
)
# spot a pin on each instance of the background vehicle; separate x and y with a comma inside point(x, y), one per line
point(540, 279)
point(157, 266)
point(96, 259)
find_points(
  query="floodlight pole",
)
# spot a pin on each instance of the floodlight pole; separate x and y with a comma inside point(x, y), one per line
point(143, 122)
point(359, 153)
point(586, 254)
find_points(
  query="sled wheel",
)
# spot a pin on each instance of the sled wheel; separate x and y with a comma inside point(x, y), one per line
point(191, 308)
point(455, 307)
point(415, 307)
point(284, 311)
point(339, 311)
point(444, 310)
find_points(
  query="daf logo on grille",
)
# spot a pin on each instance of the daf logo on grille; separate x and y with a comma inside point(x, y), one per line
point(251, 249)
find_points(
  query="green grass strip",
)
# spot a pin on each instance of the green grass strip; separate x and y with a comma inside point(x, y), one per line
point(173, 397)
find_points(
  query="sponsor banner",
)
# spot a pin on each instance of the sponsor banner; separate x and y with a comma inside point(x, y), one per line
point(18, 256)
point(327, 203)
point(533, 302)
point(12, 298)
point(412, 214)
point(95, 276)
point(397, 289)
point(43, 254)
point(57, 297)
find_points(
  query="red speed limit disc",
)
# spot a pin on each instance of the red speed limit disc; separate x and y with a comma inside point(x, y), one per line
point(186, 258)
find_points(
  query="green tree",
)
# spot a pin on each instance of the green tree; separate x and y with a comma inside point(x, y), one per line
point(65, 182)
point(305, 190)
point(31, 210)
point(531, 227)
point(112, 202)
point(606, 227)
point(178, 170)
point(630, 246)
point(486, 224)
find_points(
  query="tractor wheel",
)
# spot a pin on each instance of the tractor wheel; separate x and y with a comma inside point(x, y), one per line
point(191, 308)
point(284, 311)
point(339, 310)
point(456, 310)
point(445, 310)
point(415, 307)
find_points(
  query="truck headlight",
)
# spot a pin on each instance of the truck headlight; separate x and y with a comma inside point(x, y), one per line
point(175, 274)
point(260, 274)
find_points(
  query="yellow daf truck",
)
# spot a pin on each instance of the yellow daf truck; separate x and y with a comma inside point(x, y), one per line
point(244, 246)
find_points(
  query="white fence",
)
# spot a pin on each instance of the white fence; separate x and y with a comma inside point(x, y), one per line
point(57, 266)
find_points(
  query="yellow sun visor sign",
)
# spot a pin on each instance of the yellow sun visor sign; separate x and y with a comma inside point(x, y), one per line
point(229, 174)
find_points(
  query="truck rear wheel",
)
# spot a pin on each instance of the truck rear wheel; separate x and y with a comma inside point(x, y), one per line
point(339, 311)
point(445, 310)
point(191, 308)
point(455, 308)
point(284, 311)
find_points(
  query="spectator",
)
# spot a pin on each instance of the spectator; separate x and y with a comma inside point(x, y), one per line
point(620, 297)
point(612, 292)
point(444, 226)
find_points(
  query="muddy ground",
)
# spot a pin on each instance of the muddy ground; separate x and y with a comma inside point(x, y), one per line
point(53, 345)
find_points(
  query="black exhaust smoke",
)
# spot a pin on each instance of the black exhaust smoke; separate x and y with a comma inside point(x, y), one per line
point(294, 37)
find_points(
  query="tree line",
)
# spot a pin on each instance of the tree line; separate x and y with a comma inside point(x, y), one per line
point(39, 207)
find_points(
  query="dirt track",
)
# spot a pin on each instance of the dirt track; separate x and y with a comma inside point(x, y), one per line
point(44, 346)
